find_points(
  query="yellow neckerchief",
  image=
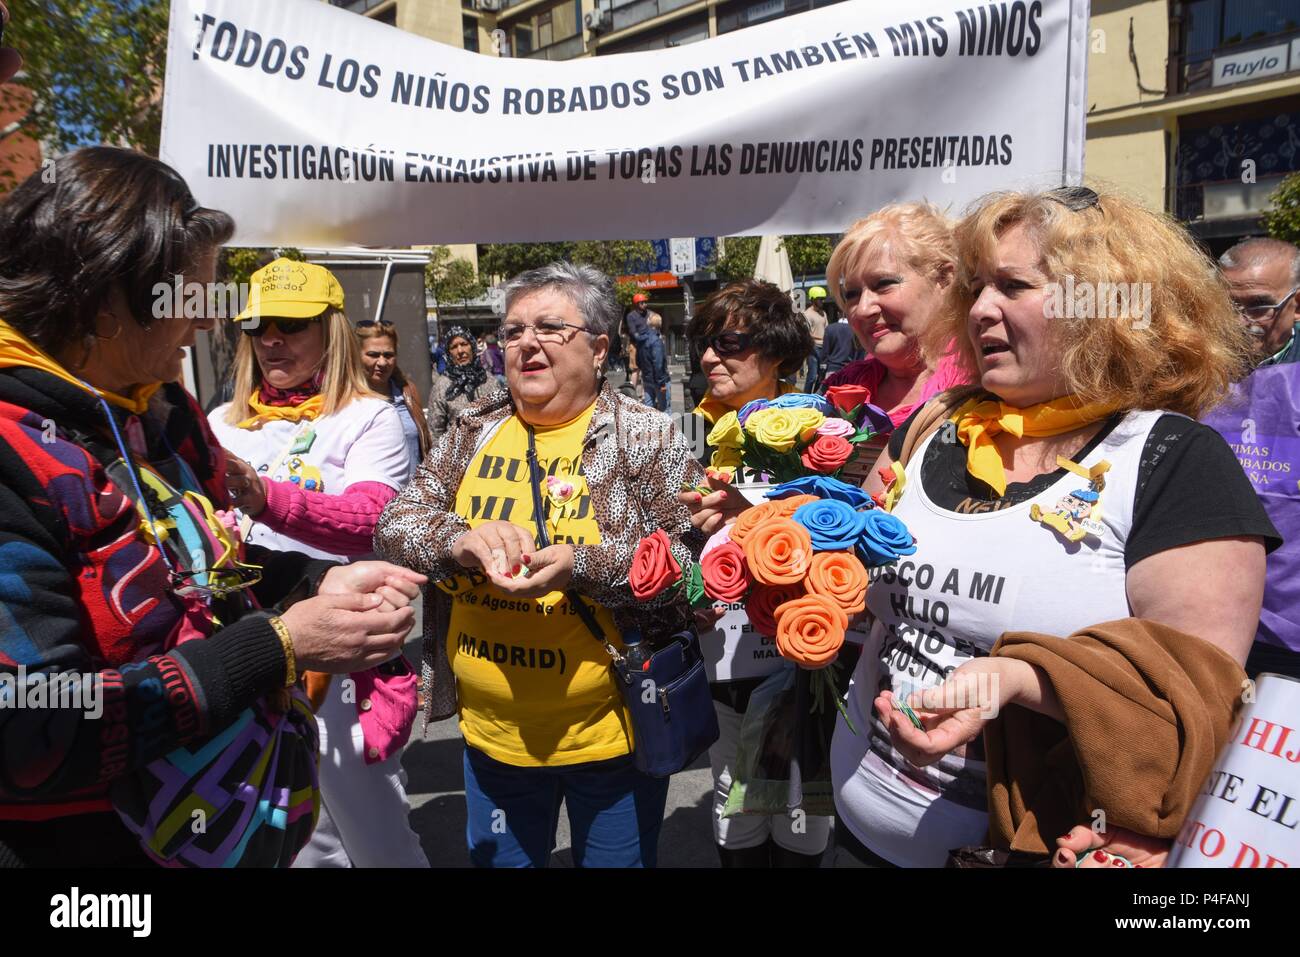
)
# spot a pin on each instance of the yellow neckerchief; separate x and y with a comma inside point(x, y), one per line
point(710, 409)
point(977, 425)
point(17, 351)
point(308, 409)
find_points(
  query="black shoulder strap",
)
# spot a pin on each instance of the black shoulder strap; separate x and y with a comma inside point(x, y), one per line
point(535, 477)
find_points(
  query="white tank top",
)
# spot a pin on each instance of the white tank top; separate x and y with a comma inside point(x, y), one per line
point(973, 577)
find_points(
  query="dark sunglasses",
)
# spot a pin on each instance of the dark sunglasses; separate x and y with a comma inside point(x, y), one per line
point(728, 343)
point(287, 327)
point(367, 323)
point(1075, 198)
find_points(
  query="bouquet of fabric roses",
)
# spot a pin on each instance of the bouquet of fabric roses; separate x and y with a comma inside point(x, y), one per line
point(797, 433)
point(799, 561)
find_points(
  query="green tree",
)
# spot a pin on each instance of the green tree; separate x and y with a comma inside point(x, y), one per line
point(615, 258)
point(737, 260)
point(95, 69)
point(450, 279)
point(1282, 218)
point(500, 261)
point(808, 254)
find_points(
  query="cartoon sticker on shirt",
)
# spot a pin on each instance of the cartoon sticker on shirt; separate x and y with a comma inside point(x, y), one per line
point(306, 477)
point(1078, 514)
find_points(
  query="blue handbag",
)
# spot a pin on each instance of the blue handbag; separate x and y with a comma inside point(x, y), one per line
point(667, 697)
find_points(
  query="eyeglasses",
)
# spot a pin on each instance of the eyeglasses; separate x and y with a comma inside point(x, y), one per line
point(221, 582)
point(1075, 198)
point(546, 330)
point(367, 323)
point(287, 327)
point(729, 343)
point(1264, 312)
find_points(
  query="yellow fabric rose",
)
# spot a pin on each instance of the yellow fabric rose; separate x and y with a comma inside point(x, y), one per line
point(778, 429)
point(725, 458)
point(726, 433)
point(810, 420)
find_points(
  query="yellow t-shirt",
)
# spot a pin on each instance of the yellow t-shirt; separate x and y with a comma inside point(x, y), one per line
point(535, 687)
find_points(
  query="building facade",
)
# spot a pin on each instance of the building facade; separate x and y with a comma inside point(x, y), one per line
point(1194, 107)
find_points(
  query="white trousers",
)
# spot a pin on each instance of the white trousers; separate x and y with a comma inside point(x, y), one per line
point(364, 810)
point(797, 832)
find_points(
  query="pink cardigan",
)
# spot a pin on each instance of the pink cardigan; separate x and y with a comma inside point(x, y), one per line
point(870, 372)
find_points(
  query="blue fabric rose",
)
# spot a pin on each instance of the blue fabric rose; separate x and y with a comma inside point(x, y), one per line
point(884, 537)
point(749, 408)
point(802, 400)
point(823, 486)
point(832, 525)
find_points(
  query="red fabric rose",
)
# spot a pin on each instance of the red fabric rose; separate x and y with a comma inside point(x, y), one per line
point(765, 599)
point(827, 453)
point(847, 397)
point(653, 567)
point(724, 573)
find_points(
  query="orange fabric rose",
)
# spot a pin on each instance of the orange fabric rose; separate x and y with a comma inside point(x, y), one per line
point(810, 630)
point(840, 577)
point(785, 507)
point(778, 552)
point(750, 517)
point(763, 602)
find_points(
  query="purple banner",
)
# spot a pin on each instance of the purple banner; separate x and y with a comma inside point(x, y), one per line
point(1261, 422)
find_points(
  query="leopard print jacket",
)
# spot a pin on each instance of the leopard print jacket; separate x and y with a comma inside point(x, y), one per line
point(635, 461)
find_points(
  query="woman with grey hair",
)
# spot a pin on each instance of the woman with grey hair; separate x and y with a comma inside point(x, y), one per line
point(505, 648)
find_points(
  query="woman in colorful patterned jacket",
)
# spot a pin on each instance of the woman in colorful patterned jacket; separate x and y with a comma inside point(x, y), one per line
point(541, 717)
point(106, 467)
point(319, 456)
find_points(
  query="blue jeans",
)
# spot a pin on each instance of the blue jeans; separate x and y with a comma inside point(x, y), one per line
point(615, 812)
point(814, 370)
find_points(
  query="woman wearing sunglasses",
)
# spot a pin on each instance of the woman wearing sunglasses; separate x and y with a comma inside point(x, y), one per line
point(464, 382)
point(535, 501)
point(889, 274)
point(748, 336)
point(316, 455)
point(119, 573)
point(1086, 551)
point(378, 341)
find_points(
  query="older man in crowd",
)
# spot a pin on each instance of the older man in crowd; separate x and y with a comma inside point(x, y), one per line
point(1261, 421)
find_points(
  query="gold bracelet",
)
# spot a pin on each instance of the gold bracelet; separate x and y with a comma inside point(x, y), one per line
point(290, 662)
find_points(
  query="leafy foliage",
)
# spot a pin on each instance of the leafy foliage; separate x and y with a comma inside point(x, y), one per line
point(1282, 218)
point(450, 279)
point(737, 260)
point(95, 68)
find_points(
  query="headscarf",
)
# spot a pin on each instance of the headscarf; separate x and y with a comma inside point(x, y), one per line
point(465, 379)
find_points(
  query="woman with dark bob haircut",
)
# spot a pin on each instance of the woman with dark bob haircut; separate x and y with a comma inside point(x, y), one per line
point(118, 576)
point(748, 336)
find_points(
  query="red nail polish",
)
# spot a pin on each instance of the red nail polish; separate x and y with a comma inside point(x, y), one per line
point(1117, 862)
point(527, 559)
point(1062, 857)
point(515, 570)
point(1100, 856)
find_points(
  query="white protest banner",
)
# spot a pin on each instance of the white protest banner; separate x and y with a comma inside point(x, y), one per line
point(314, 126)
point(733, 650)
point(1248, 814)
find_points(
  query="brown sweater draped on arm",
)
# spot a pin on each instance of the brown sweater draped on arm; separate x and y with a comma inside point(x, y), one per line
point(1148, 708)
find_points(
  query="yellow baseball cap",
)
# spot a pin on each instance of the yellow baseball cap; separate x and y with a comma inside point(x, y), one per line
point(292, 290)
